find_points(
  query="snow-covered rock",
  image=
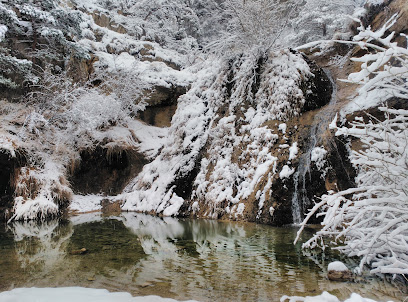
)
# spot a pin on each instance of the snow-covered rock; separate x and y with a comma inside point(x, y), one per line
point(337, 266)
point(337, 271)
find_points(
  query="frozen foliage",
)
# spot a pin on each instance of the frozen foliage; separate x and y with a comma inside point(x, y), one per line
point(316, 20)
point(174, 24)
point(259, 26)
point(238, 142)
point(370, 221)
point(384, 72)
point(69, 115)
point(325, 297)
point(254, 26)
point(61, 119)
point(79, 294)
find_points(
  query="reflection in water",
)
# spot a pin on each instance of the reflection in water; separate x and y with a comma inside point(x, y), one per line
point(183, 259)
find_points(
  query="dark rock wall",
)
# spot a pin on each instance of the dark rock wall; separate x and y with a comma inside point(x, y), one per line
point(8, 167)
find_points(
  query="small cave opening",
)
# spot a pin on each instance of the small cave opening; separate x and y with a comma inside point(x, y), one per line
point(106, 172)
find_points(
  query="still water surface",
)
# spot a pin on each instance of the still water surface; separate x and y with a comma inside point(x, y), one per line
point(182, 259)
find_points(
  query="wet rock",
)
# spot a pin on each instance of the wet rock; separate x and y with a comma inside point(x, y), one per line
point(79, 252)
point(318, 89)
point(340, 276)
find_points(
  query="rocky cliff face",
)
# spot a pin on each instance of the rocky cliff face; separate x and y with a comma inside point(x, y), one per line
point(241, 139)
point(237, 143)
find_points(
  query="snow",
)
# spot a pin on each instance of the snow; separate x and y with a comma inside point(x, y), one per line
point(378, 78)
point(150, 139)
point(86, 203)
point(286, 172)
point(317, 156)
point(293, 151)
point(7, 144)
point(43, 203)
point(3, 31)
point(325, 297)
point(363, 220)
point(282, 127)
point(337, 266)
point(78, 294)
point(375, 2)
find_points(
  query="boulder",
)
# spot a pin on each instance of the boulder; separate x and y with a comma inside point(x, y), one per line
point(337, 271)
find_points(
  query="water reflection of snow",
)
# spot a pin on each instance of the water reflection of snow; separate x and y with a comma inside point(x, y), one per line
point(77, 294)
point(189, 258)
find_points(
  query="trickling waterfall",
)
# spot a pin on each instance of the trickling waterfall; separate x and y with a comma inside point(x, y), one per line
point(300, 200)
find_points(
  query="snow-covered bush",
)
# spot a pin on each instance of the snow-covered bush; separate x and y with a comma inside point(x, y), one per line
point(61, 119)
point(173, 24)
point(371, 220)
point(317, 20)
point(79, 109)
point(253, 26)
point(384, 70)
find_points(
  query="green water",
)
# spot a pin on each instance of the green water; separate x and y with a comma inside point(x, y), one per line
point(182, 259)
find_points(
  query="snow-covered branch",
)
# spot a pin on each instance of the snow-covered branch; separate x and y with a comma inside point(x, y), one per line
point(371, 221)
